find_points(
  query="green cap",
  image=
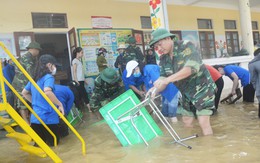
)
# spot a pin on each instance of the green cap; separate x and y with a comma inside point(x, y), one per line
point(34, 45)
point(131, 40)
point(159, 34)
point(109, 75)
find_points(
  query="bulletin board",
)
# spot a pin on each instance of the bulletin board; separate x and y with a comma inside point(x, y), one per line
point(8, 41)
point(92, 39)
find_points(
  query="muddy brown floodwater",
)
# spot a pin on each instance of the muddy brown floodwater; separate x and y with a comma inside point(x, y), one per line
point(236, 139)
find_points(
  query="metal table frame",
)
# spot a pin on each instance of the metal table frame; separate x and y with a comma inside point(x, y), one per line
point(135, 112)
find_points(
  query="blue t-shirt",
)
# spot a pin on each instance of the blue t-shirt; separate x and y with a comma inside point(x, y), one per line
point(39, 104)
point(137, 82)
point(242, 73)
point(8, 72)
point(65, 96)
point(151, 74)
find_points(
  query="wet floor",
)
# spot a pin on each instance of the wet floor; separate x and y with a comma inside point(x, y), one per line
point(236, 139)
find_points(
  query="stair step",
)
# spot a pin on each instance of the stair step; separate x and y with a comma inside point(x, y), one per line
point(4, 121)
point(20, 136)
point(7, 121)
point(34, 150)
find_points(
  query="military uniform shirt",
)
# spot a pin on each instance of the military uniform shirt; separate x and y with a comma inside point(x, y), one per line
point(197, 89)
point(101, 60)
point(133, 53)
point(28, 62)
point(103, 93)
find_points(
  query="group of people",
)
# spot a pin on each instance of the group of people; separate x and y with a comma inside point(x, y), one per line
point(200, 85)
point(42, 69)
point(180, 78)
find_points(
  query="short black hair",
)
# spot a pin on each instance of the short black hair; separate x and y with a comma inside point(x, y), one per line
point(218, 66)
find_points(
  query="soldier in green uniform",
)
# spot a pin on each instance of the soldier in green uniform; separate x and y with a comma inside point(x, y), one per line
point(181, 64)
point(28, 62)
point(107, 87)
point(101, 60)
point(133, 52)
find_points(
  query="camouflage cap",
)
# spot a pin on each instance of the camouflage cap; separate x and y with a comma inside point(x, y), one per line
point(159, 34)
point(109, 75)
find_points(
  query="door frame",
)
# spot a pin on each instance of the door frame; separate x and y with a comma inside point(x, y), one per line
point(136, 34)
point(22, 40)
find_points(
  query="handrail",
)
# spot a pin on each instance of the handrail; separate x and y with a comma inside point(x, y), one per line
point(32, 111)
point(45, 97)
point(2, 84)
point(22, 100)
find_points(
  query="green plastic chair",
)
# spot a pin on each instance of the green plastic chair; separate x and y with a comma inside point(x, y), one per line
point(129, 120)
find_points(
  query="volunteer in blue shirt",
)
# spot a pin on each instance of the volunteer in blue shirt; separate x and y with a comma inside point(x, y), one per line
point(43, 76)
point(170, 94)
point(133, 79)
point(66, 97)
point(236, 73)
point(8, 72)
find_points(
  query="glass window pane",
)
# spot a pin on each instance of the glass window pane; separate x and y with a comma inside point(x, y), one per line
point(203, 44)
point(202, 36)
point(49, 20)
point(254, 25)
point(234, 36)
point(228, 36)
point(204, 24)
point(210, 37)
point(146, 22)
point(230, 24)
point(207, 45)
point(212, 44)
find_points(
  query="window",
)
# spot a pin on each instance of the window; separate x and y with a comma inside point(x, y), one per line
point(230, 24)
point(204, 24)
point(146, 22)
point(254, 25)
point(49, 20)
point(256, 37)
point(207, 44)
point(147, 38)
point(232, 43)
point(177, 34)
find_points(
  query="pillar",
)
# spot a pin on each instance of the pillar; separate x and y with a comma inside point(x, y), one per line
point(246, 26)
point(158, 12)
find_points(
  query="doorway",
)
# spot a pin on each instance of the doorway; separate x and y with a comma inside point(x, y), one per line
point(56, 45)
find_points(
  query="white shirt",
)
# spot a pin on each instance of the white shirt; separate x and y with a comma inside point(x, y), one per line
point(80, 74)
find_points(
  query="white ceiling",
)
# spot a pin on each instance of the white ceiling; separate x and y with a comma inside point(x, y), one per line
point(226, 4)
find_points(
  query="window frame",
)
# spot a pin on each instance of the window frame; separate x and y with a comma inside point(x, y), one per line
point(207, 43)
point(50, 15)
point(256, 25)
point(207, 21)
point(229, 21)
point(143, 20)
